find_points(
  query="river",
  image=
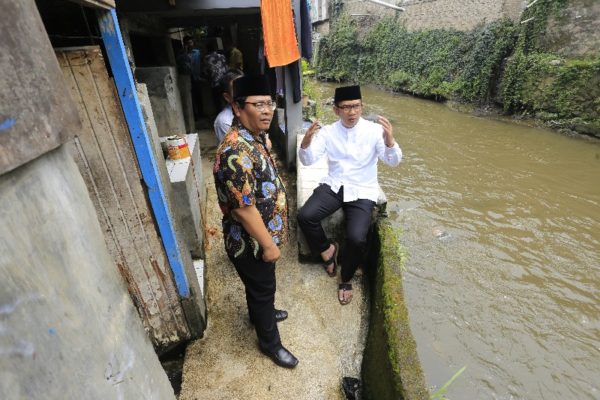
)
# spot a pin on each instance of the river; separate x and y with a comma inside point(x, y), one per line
point(501, 222)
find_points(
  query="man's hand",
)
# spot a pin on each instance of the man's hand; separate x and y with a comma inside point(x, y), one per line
point(254, 225)
point(388, 131)
point(309, 134)
point(271, 253)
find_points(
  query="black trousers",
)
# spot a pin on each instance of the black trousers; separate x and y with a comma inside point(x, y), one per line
point(197, 98)
point(259, 281)
point(324, 202)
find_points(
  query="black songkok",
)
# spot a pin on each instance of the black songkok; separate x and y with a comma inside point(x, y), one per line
point(257, 85)
point(347, 93)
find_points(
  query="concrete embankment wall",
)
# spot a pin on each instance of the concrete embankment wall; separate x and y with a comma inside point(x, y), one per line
point(68, 327)
point(462, 15)
point(391, 368)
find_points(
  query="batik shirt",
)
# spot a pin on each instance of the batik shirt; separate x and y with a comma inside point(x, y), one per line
point(245, 175)
point(215, 67)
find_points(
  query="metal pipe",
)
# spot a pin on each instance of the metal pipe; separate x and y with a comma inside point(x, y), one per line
point(382, 3)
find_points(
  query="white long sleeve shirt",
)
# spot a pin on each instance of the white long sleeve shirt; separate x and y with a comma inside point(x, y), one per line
point(352, 157)
point(223, 122)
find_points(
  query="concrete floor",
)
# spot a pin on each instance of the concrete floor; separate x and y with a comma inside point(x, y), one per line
point(327, 338)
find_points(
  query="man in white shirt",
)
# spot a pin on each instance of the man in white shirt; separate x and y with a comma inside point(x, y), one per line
point(225, 117)
point(352, 145)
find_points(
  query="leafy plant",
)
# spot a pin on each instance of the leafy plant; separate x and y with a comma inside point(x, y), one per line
point(440, 394)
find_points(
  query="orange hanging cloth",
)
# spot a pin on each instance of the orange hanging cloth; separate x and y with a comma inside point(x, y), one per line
point(281, 46)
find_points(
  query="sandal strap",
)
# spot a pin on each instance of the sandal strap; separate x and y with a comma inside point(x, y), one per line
point(332, 259)
point(345, 286)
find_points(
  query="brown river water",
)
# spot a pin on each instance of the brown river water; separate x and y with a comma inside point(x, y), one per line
point(502, 226)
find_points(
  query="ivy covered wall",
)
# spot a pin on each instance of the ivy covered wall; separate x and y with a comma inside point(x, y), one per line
point(502, 63)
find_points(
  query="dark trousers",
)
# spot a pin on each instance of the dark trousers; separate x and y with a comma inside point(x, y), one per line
point(259, 281)
point(324, 202)
point(197, 98)
point(217, 96)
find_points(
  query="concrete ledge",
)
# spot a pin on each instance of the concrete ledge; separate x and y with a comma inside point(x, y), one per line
point(391, 368)
point(186, 180)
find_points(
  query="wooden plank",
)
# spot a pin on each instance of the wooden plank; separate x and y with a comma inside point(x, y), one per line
point(36, 112)
point(105, 157)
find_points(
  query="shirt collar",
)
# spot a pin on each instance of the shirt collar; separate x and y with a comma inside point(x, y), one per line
point(349, 131)
point(246, 134)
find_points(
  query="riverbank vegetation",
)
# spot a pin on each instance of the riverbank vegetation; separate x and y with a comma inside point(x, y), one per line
point(503, 64)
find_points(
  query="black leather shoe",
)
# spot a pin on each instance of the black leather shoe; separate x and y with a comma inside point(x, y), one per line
point(281, 357)
point(280, 315)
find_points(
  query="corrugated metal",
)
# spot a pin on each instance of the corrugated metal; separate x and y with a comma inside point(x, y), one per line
point(104, 153)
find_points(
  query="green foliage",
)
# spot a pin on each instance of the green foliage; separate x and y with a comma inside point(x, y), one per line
point(309, 86)
point(434, 63)
point(563, 91)
point(532, 32)
point(555, 88)
point(337, 51)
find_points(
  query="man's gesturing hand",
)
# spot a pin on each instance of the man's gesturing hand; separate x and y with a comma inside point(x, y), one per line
point(388, 131)
point(315, 126)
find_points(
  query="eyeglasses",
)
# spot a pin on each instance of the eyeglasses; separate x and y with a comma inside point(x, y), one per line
point(263, 105)
point(350, 107)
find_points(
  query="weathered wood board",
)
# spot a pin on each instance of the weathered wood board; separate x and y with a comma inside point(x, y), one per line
point(105, 156)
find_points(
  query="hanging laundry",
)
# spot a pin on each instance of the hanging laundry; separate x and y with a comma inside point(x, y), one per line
point(281, 46)
point(305, 30)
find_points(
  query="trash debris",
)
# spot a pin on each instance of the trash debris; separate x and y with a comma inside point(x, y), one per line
point(351, 388)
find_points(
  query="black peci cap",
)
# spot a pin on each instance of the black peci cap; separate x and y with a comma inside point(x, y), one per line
point(257, 85)
point(347, 93)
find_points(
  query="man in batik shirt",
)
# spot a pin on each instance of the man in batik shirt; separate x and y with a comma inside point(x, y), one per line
point(255, 216)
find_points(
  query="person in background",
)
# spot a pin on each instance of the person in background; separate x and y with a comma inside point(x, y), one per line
point(215, 66)
point(255, 213)
point(225, 117)
point(352, 146)
point(236, 59)
point(189, 63)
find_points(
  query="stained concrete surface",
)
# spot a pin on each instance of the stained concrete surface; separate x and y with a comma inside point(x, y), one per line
point(327, 338)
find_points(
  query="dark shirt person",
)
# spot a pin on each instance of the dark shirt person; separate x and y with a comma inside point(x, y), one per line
point(215, 67)
point(353, 146)
point(189, 63)
point(254, 205)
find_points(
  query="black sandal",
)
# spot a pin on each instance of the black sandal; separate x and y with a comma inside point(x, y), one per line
point(344, 287)
point(333, 260)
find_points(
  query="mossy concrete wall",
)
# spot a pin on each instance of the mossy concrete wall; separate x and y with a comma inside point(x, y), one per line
point(391, 368)
point(574, 31)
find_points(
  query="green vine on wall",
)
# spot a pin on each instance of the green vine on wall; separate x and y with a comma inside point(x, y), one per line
point(565, 92)
point(435, 63)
